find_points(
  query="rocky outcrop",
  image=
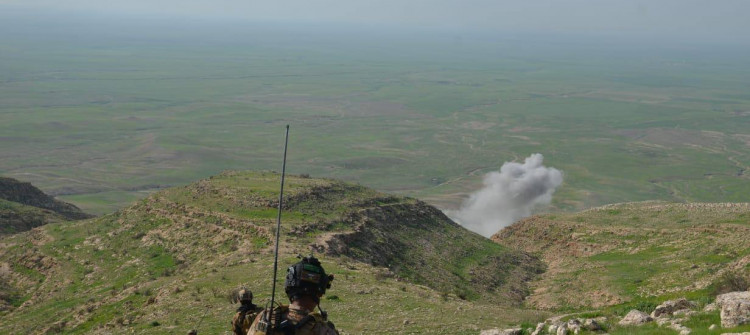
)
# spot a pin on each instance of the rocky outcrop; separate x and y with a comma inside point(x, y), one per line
point(412, 239)
point(735, 308)
point(24, 207)
point(672, 306)
point(26, 194)
point(539, 328)
point(497, 331)
point(731, 297)
point(678, 327)
point(635, 318)
point(592, 325)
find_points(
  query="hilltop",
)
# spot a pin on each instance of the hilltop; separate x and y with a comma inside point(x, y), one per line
point(400, 265)
point(634, 254)
point(23, 207)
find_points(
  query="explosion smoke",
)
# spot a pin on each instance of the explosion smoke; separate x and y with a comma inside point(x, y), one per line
point(508, 195)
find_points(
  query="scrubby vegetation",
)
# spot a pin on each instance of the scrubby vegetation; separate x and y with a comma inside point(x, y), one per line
point(156, 265)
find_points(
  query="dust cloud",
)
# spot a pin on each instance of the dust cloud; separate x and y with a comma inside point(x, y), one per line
point(508, 195)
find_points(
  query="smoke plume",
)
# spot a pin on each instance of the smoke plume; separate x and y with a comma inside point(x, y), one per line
point(508, 195)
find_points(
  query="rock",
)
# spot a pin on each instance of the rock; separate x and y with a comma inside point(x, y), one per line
point(563, 329)
point(669, 307)
point(680, 328)
point(552, 329)
point(711, 307)
point(539, 328)
point(497, 331)
point(574, 326)
point(712, 327)
point(406, 321)
point(663, 320)
point(635, 318)
point(731, 297)
point(735, 308)
point(591, 325)
point(735, 313)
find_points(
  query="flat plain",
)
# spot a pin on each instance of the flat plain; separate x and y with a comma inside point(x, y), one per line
point(104, 113)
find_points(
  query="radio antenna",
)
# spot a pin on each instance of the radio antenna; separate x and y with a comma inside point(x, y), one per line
point(278, 230)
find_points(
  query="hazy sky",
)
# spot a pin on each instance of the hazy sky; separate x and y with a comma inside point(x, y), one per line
point(717, 19)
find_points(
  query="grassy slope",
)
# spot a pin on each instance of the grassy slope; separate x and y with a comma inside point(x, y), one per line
point(15, 217)
point(638, 253)
point(156, 265)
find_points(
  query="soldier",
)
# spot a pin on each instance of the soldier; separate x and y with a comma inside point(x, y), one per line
point(246, 313)
point(305, 284)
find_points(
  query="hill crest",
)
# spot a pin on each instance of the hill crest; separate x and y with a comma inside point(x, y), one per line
point(185, 246)
point(23, 207)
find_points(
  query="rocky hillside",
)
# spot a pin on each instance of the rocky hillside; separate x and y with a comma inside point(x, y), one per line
point(401, 266)
point(23, 207)
point(639, 253)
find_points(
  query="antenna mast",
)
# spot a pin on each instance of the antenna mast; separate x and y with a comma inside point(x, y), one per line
point(278, 230)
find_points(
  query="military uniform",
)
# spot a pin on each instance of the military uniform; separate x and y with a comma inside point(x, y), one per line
point(306, 282)
point(295, 322)
point(244, 318)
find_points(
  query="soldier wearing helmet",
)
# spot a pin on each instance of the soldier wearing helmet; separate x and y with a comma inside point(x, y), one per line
point(306, 282)
point(246, 313)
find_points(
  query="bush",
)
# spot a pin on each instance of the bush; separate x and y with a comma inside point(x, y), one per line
point(731, 282)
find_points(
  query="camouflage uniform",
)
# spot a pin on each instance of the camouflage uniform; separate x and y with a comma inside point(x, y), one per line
point(245, 313)
point(302, 323)
point(244, 318)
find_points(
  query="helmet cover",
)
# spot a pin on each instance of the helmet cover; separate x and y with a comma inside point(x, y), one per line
point(307, 277)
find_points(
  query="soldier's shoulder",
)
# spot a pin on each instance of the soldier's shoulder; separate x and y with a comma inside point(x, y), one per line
point(323, 326)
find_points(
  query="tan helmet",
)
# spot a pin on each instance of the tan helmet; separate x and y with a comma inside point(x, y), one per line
point(243, 295)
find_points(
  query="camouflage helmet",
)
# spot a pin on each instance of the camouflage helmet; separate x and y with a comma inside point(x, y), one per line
point(245, 295)
point(242, 295)
point(307, 277)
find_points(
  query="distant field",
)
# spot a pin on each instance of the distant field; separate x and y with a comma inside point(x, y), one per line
point(101, 117)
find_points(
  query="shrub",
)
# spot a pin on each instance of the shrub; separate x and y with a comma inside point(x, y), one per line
point(731, 282)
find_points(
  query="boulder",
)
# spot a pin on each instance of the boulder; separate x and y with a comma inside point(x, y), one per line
point(663, 320)
point(735, 313)
point(682, 330)
point(735, 308)
point(591, 325)
point(497, 331)
point(669, 307)
point(731, 297)
point(573, 326)
point(635, 318)
point(539, 328)
point(562, 329)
